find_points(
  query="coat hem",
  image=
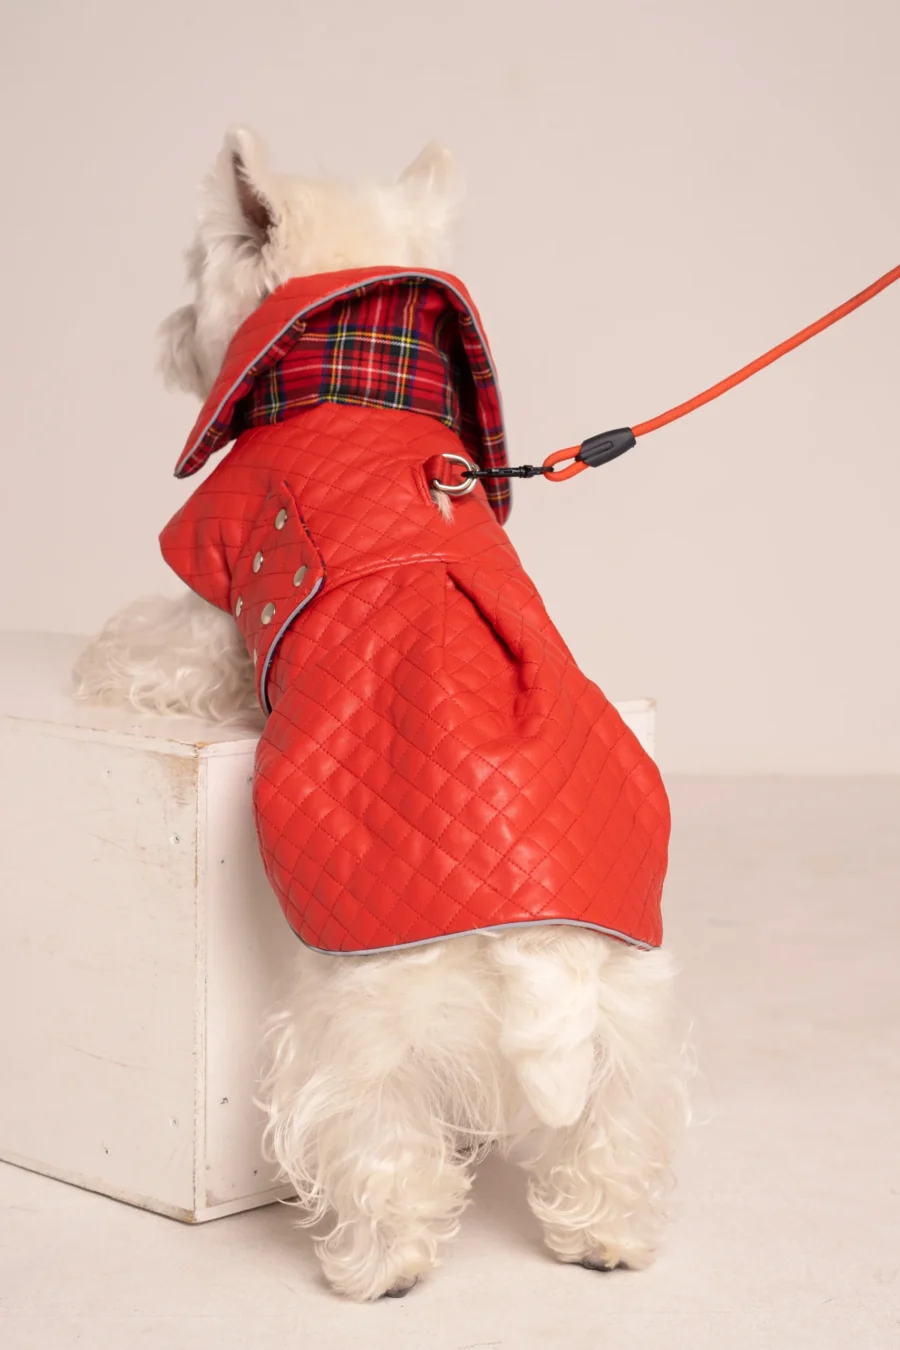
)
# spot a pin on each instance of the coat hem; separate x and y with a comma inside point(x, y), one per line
point(490, 928)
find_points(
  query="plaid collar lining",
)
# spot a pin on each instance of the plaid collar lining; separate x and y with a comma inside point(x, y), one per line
point(397, 348)
point(402, 339)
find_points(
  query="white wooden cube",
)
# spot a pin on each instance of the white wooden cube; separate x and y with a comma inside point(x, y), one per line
point(140, 944)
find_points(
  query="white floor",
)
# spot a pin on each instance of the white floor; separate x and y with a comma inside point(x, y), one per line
point(784, 904)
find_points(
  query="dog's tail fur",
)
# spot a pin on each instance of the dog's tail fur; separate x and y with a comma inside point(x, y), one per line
point(582, 1013)
point(552, 1002)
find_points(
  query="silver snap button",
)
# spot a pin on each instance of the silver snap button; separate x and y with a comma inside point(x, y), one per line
point(268, 613)
point(281, 519)
point(239, 606)
point(257, 561)
point(300, 574)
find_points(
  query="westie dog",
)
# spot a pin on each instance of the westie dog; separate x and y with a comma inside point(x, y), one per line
point(398, 1059)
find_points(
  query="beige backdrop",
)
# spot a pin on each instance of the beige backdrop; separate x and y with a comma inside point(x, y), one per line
point(657, 193)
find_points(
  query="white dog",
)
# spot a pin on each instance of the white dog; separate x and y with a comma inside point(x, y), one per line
point(390, 1075)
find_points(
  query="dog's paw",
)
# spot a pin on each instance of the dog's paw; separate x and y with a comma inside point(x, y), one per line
point(386, 1274)
point(608, 1256)
point(401, 1287)
point(599, 1261)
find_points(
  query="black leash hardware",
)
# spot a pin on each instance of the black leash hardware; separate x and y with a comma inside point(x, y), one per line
point(596, 450)
point(511, 471)
point(608, 445)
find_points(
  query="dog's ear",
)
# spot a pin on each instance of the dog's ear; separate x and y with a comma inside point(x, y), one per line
point(239, 196)
point(433, 185)
point(178, 351)
point(252, 180)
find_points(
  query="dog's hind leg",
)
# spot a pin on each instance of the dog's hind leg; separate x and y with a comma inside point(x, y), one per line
point(396, 1190)
point(374, 1061)
point(598, 1186)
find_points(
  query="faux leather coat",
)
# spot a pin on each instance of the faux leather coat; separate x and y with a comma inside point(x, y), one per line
point(433, 761)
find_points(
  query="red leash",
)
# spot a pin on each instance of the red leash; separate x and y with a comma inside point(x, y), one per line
point(610, 444)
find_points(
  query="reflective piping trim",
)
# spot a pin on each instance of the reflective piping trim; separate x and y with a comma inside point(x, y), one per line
point(263, 679)
point(497, 928)
point(320, 304)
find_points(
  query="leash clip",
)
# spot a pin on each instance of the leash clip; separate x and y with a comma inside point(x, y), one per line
point(596, 450)
point(510, 471)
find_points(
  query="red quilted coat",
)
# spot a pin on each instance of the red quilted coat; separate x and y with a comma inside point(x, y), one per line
point(433, 760)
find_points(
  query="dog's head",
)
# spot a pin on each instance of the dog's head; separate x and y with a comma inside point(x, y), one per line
point(258, 228)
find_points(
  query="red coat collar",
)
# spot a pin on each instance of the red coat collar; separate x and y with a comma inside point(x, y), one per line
point(255, 346)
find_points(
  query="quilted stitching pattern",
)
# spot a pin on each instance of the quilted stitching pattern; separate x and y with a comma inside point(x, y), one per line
point(434, 761)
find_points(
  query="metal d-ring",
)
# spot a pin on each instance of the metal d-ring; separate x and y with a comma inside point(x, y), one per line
point(457, 489)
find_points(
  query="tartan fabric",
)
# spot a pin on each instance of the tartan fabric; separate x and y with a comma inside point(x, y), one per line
point(410, 341)
point(397, 346)
point(392, 348)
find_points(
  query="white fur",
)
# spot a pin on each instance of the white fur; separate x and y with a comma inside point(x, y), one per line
point(388, 1076)
point(181, 657)
point(257, 229)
